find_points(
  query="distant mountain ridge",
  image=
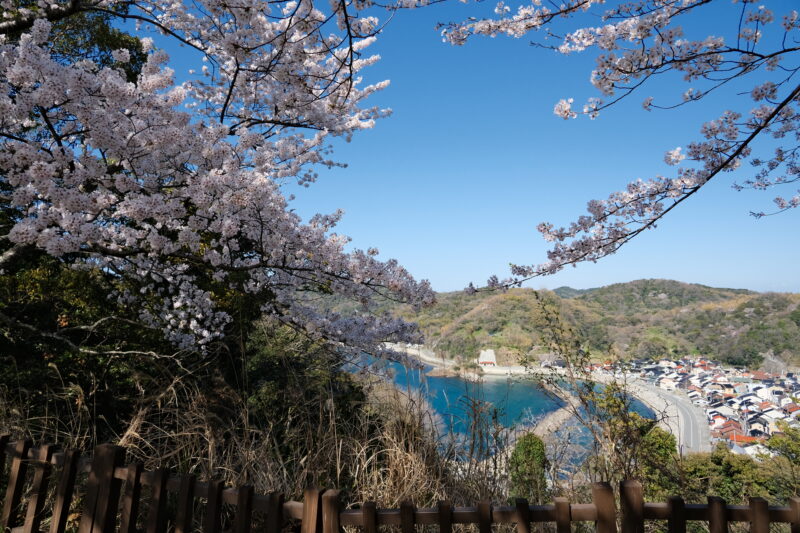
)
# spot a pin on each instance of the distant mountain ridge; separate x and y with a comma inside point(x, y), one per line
point(569, 292)
point(642, 318)
point(647, 294)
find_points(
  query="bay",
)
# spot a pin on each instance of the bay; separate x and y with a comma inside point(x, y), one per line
point(516, 401)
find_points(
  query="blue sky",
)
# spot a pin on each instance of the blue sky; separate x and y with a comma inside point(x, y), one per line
point(454, 183)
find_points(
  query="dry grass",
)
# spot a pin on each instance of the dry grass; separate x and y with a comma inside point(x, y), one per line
point(391, 451)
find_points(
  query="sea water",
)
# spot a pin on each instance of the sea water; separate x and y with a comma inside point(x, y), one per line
point(512, 401)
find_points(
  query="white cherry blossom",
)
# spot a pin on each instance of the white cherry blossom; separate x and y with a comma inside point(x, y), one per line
point(176, 188)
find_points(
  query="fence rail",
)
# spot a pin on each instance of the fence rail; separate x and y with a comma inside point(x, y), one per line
point(112, 500)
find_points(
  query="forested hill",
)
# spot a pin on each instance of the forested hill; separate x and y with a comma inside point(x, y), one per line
point(644, 318)
point(645, 295)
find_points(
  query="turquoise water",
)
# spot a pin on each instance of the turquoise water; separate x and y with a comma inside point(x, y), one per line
point(511, 401)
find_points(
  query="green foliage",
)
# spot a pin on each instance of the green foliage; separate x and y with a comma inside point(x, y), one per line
point(90, 35)
point(733, 477)
point(786, 443)
point(794, 316)
point(509, 323)
point(786, 447)
point(658, 463)
point(645, 318)
point(285, 377)
point(527, 468)
point(569, 292)
point(647, 295)
point(629, 446)
point(68, 363)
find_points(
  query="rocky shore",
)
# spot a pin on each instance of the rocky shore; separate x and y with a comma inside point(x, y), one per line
point(551, 423)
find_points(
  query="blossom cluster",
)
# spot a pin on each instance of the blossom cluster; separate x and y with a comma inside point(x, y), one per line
point(176, 188)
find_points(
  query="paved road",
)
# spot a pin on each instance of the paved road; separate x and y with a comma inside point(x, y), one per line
point(693, 433)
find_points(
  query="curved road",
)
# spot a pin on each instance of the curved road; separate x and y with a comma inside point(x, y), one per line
point(693, 433)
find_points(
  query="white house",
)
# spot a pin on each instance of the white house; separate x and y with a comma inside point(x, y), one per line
point(667, 383)
point(487, 358)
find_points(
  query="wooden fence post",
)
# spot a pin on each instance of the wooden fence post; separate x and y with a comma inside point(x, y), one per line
point(274, 513)
point(632, 503)
point(370, 517)
point(185, 504)
point(130, 498)
point(759, 515)
point(38, 495)
point(485, 516)
point(244, 509)
point(407, 517)
point(66, 484)
point(717, 515)
point(16, 484)
point(212, 521)
point(445, 515)
point(102, 491)
point(676, 523)
point(157, 514)
point(603, 499)
point(794, 504)
point(330, 512)
point(523, 515)
point(312, 511)
point(563, 515)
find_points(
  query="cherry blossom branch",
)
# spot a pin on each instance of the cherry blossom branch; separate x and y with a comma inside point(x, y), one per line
point(52, 12)
point(636, 43)
point(12, 253)
point(178, 207)
point(148, 20)
point(603, 237)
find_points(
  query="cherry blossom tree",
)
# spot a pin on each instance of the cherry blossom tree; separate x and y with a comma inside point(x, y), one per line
point(639, 43)
point(175, 192)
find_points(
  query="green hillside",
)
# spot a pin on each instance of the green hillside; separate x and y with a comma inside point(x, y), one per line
point(643, 318)
point(647, 295)
point(569, 292)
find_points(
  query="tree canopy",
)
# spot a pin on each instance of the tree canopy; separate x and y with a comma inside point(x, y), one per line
point(171, 193)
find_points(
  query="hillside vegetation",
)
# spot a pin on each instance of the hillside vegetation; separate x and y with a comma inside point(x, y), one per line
point(644, 318)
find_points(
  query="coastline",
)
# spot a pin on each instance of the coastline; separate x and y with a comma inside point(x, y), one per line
point(548, 425)
point(690, 433)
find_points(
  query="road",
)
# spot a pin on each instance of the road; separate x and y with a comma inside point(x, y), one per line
point(693, 433)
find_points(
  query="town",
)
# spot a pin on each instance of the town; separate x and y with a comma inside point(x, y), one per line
point(743, 407)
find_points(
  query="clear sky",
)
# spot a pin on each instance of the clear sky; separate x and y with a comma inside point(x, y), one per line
point(473, 158)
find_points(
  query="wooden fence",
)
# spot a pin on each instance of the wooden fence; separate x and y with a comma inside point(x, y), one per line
point(112, 497)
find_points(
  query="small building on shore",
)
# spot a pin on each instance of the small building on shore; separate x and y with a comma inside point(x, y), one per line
point(487, 358)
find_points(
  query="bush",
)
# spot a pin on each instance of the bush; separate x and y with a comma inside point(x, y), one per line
point(527, 467)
